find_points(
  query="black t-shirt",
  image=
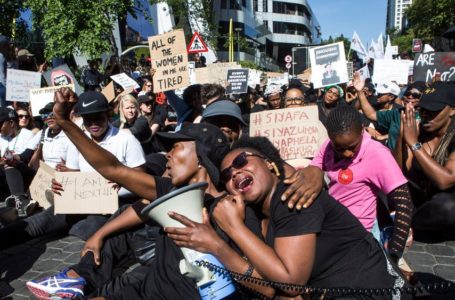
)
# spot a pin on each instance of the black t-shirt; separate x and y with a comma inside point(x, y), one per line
point(140, 129)
point(346, 254)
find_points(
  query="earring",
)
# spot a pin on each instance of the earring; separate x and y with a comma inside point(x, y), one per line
point(275, 169)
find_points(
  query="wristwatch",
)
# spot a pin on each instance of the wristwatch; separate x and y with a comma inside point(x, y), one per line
point(416, 146)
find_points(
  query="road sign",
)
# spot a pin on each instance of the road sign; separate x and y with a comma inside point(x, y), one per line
point(288, 65)
point(288, 59)
point(196, 44)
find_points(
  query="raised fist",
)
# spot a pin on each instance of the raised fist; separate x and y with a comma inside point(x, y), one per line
point(64, 99)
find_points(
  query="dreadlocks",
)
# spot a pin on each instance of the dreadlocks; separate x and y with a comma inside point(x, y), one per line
point(343, 119)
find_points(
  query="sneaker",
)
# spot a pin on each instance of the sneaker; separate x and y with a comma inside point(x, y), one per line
point(22, 203)
point(59, 286)
point(11, 201)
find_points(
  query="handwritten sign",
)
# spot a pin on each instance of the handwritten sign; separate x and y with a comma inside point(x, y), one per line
point(125, 81)
point(109, 92)
point(237, 81)
point(387, 70)
point(426, 65)
point(294, 131)
point(19, 83)
point(40, 188)
point(62, 75)
point(85, 193)
point(40, 97)
point(170, 60)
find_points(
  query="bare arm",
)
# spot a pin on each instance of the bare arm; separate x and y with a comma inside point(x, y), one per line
point(103, 161)
point(366, 107)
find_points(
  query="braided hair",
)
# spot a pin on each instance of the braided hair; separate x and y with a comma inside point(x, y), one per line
point(343, 119)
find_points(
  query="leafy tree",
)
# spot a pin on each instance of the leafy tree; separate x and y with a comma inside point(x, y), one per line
point(71, 25)
point(341, 38)
point(9, 11)
point(431, 18)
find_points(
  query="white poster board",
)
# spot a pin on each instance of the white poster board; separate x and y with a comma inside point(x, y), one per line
point(19, 83)
point(125, 81)
point(388, 70)
point(85, 193)
point(328, 65)
point(40, 97)
point(40, 188)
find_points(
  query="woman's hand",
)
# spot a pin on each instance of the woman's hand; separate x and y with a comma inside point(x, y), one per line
point(56, 187)
point(410, 130)
point(357, 82)
point(305, 186)
point(94, 244)
point(229, 213)
point(61, 166)
point(196, 236)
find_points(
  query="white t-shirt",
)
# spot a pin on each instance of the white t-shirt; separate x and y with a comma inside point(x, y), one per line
point(122, 144)
point(16, 144)
point(54, 148)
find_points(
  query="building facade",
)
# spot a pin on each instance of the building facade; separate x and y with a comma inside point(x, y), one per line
point(395, 14)
point(270, 27)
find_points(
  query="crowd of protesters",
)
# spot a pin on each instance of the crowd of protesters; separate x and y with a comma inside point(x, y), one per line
point(385, 167)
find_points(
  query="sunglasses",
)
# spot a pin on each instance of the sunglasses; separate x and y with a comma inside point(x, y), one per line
point(413, 95)
point(23, 116)
point(47, 116)
point(239, 161)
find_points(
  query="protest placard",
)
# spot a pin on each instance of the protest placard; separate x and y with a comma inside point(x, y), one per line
point(254, 78)
point(294, 131)
point(364, 73)
point(40, 188)
point(109, 92)
point(85, 193)
point(170, 61)
point(328, 65)
point(237, 81)
point(281, 80)
point(62, 75)
point(426, 65)
point(388, 70)
point(19, 83)
point(40, 97)
point(125, 81)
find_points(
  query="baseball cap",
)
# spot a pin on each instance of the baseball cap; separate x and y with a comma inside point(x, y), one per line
point(91, 102)
point(47, 109)
point(145, 98)
point(436, 97)
point(223, 108)
point(388, 88)
point(211, 145)
point(418, 85)
point(7, 114)
point(24, 52)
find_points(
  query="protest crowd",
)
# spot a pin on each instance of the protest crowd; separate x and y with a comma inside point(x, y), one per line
point(319, 180)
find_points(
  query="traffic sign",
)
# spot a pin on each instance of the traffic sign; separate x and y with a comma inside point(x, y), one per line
point(288, 59)
point(288, 65)
point(196, 44)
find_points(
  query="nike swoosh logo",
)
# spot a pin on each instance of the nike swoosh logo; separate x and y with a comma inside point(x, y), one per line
point(87, 104)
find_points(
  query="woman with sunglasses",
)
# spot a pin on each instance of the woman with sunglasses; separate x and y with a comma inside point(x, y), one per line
point(323, 246)
point(26, 120)
point(194, 156)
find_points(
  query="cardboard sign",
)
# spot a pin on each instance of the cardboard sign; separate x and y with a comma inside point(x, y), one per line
point(109, 92)
point(85, 193)
point(294, 131)
point(197, 44)
point(237, 81)
point(417, 45)
point(125, 81)
point(214, 73)
point(62, 75)
point(426, 65)
point(328, 65)
point(40, 97)
point(387, 70)
point(19, 83)
point(40, 188)
point(170, 60)
point(281, 80)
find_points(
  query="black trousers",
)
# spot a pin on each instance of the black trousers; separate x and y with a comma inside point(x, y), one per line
point(437, 213)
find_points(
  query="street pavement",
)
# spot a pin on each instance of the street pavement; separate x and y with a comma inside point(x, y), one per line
point(431, 258)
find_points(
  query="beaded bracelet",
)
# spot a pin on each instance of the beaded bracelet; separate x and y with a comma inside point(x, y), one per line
point(248, 273)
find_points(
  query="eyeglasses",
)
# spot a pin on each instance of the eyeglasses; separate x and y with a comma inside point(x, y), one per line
point(239, 161)
point(294, 100)
point(47, 116)
point(23, 116)
point(413, 95)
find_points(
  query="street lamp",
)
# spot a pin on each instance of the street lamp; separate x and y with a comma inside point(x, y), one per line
point(238, 29)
